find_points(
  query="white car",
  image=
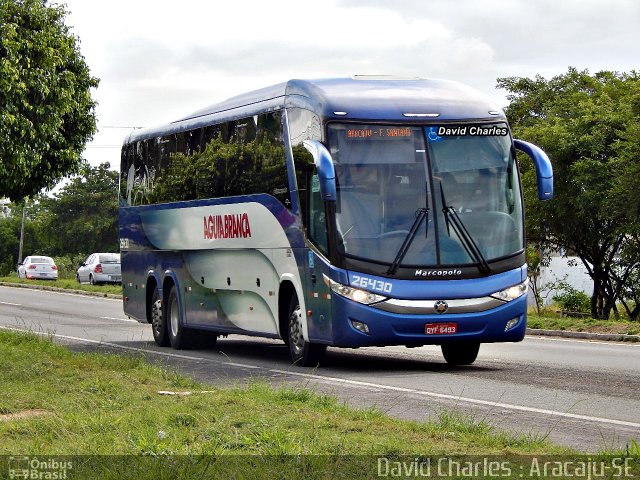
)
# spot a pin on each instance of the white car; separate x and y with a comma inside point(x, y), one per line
point(38, 267)
point(100, 268)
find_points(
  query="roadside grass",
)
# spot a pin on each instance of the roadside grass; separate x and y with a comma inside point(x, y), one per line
point(552, 321)
point(57, 402)
point(65, 284)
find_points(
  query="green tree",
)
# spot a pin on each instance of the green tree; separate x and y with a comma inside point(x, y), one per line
point(628, 199)
point(83, 216)
point(585, 123)
point(10, 237)
point(46, 110)
point(8, 243)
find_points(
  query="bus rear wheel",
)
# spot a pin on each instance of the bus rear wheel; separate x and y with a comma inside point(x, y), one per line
point(158, 325)
point(303, 353)
point(460, 353)
point(180, 337)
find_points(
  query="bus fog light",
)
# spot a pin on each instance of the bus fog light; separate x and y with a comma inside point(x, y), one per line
point(360, 326)
point(511, 323)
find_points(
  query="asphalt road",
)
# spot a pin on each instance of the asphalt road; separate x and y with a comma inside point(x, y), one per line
point(578, 393)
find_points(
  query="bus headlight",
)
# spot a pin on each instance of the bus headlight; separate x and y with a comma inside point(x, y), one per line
point(511, 293)
point(355, 294)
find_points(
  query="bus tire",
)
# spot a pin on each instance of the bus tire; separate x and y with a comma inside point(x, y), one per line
point(179, 336)
point(460, 353)
point(303, 353)
point(158, 325)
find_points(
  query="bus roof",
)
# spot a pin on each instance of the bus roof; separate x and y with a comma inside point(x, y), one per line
point(366, 98)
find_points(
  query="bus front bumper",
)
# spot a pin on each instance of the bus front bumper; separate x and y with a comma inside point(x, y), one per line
point(363, 325)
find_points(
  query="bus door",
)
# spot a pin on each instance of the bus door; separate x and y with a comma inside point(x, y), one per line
point(317, 293)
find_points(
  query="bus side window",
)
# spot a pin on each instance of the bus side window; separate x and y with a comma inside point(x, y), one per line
point(271, 177)
point(127, 175)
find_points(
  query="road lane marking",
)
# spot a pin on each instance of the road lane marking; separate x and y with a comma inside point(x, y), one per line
point(87, 295)
point(121, 319)
point(457, 398)
point(12, 304)
point(342, 381)
point(619, 343)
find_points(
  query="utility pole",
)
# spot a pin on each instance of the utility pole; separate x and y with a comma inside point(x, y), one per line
point(24, 214)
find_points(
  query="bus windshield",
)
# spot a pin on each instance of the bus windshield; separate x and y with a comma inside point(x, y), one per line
point(459, 181)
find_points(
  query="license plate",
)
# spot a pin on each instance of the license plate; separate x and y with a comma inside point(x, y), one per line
point(441, 328)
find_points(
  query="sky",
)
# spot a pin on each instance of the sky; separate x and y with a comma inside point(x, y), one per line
point(158, 60)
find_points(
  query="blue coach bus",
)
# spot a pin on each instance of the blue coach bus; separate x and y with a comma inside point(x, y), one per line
point(347, 212)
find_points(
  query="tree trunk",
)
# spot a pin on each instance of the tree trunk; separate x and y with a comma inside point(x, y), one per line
point(594, 302)
point(600, 302)
point(606, 308)
point(595, 299)
point(533, 284)
point(633, 314)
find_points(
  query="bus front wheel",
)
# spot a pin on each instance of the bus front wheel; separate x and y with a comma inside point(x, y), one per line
point(460, 353)
point(303, 353)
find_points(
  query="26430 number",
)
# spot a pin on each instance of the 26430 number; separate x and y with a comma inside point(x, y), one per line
point(371, 283)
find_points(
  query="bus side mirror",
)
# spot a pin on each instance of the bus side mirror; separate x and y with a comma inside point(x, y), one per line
point(324, 166)
point(544, 169)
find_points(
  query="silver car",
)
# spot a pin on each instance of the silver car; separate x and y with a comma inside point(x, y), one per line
point(100, 268)
point(38, 267)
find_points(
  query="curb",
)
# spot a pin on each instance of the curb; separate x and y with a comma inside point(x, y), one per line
point(57, 289)
point(606, 337)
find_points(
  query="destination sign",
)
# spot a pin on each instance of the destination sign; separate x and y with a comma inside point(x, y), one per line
point(379, 132)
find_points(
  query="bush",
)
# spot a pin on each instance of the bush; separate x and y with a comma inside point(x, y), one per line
point(571, 300)
point(7, 267)
point(68, 264)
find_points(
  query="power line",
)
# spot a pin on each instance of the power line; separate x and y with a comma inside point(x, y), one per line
point(120, 126)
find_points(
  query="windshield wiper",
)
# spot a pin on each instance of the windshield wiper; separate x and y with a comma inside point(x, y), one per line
point(452, 219)
point(422, 214)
